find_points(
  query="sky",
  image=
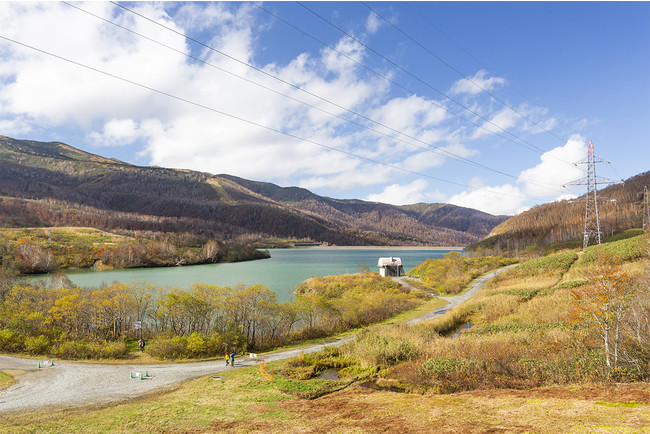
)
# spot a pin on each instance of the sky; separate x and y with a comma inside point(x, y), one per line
point(487, 105)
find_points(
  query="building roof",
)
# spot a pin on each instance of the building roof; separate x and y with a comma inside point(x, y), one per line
point(389, 262)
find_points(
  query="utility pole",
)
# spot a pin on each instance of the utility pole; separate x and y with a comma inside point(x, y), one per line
point(592, 218)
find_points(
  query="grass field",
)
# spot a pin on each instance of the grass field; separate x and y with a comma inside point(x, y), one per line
point(61, 235)
point(245, 401)
point(6, 379)
point(520, 368)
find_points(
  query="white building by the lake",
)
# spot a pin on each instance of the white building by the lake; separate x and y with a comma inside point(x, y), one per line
point(390, 267)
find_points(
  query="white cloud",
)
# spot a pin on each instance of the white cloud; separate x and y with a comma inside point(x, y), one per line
point(373, 22)
point(543, 181)
point(117, 132)
point(14, 127)
point(413, 115)
point(52, 91)
point(497, 200)
point(414, 192)
point(556, 169)
point(501, 121)
point(476, 84)
point(349, 173)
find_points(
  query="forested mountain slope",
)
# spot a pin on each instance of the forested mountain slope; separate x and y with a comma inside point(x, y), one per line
point(620, 208)
point(53, 183)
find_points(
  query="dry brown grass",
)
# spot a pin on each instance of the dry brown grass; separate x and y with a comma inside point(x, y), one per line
point(521, 338)
point(6, 377)
point(245, 402)
point(542, 310)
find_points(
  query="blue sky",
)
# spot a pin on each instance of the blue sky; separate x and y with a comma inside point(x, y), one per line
point(481, 104)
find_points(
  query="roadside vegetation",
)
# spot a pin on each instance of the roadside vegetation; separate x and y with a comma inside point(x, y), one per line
point(57, 319)
point(451, 274)
point(529, 359)
point(552, 321)
point(244, 401)
point(44, 250)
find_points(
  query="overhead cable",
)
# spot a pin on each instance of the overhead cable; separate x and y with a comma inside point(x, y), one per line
point(247, 121)
point(260, 70)
point(469, 79)
point(385, 77)
point(524, 143)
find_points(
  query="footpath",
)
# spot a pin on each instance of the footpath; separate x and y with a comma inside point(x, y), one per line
point(71, 384)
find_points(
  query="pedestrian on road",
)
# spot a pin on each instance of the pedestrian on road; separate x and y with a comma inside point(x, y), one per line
point(141, 343)
point(227, 358)
point(232, 359)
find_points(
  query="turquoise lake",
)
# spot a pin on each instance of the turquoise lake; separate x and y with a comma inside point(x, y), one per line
point(281, 273)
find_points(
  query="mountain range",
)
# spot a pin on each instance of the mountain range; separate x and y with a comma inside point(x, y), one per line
point(55, 184)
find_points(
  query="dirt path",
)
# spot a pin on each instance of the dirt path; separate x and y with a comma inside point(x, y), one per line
point(70, 384)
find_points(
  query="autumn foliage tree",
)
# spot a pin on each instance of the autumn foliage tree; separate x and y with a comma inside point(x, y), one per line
point(31, 258)
point(603, 305)
point(205, 320)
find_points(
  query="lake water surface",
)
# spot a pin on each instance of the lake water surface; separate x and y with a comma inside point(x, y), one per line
point(281, 273)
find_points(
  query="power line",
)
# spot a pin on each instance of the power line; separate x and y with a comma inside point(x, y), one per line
point(429, 147)
point(241, 119)
point(486, 67)
point(528, 144)
point(291, 84)
point(453, 155)
point(443, 61)
point(383, 76)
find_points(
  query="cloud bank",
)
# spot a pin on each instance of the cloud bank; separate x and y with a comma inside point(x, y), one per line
point(318, 120)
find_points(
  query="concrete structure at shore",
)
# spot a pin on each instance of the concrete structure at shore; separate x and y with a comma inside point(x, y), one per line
point(390, 267)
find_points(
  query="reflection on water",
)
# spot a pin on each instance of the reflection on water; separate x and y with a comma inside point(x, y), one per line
point(456, 333)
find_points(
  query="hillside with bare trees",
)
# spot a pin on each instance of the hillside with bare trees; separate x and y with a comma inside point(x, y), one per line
point(54, 184)
point(620, 208)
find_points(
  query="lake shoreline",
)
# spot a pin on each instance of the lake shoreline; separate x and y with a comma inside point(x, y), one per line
point(281, 273)
point(324, 247)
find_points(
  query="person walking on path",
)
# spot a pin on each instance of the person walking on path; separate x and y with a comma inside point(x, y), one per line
point(227, 358)
point(141, 343)
point(232, 359)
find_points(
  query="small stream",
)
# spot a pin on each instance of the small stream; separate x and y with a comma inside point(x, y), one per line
point(456, 333)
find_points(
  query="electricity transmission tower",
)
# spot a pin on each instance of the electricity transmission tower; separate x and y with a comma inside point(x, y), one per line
point(592, 218)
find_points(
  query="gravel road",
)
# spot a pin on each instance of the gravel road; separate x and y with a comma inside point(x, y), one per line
point(73, 384)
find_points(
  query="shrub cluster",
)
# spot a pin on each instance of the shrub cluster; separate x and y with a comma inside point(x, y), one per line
point(61, 346)
point(625, 250)
point(521, 336)
point(453, 272)
point(204, 321)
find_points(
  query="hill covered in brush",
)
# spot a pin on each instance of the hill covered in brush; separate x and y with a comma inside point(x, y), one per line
point(54, 184)
point(562, 223)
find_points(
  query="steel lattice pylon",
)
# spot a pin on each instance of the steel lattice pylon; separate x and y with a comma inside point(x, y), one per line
point(592, 218)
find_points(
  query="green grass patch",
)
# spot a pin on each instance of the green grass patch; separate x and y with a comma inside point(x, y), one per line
point(451, 274)
point(572, 284)
point(5, 380)
point(628, 404)
point(630, 233)
point(490, 329)
point(559, 262)
point(625, 250)
point(525, 294)
point(416, 312)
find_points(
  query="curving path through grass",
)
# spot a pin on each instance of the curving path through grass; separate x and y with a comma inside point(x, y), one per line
point(74, 384)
